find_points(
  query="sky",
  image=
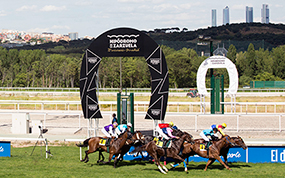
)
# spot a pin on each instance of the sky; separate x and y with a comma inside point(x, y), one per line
point(94, 17)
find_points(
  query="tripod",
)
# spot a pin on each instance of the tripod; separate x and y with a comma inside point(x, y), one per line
point(40, 136)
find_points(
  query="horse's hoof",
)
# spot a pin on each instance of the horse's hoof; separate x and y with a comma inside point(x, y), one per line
point(171, 165)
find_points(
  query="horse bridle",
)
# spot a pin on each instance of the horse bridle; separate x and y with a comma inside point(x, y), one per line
point(227, 139)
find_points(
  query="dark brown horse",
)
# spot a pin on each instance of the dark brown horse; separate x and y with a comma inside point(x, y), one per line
point(136, 138)
point(149, 138)
point(115, 147)
point(213, 153)
point(157, 152)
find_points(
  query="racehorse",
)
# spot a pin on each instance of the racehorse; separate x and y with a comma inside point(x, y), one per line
point(149, 138)
point(156, 152)
point(114, 149)
point(136, 138)
point(238, 142)
point(213, 153)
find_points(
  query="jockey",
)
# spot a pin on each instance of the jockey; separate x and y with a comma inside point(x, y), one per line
point(208, 132)
point(122, 128)
point(220, 128)
point(109, 130)
point(168, 130)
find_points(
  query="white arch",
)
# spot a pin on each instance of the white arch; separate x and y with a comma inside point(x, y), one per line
point(217, 62)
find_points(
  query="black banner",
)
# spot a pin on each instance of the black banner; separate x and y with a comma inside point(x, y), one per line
point(124, 42)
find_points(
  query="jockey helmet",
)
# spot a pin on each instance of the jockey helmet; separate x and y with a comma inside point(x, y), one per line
point(115, 124)
point(224, 125)
point(130, 125)
point(171, 124)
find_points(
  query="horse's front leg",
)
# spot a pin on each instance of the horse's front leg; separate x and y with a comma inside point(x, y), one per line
point(116, 161)
point(222, 162)
point(226, 159)
point(210, 161)
point(181, 160)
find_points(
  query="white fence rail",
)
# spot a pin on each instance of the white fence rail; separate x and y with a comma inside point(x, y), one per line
point(192, 107)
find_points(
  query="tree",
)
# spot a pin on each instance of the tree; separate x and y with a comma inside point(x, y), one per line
point(250, 67)
point(278, 55)
point(232, 52)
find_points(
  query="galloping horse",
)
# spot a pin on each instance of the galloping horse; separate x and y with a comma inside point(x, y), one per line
point(213, 153)
point(137, 138)
point(156, 152)
point(238, 142)
point(149, 138)
point(114, 149)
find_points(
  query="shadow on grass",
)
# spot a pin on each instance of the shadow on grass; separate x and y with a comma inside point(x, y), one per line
point(202, 167)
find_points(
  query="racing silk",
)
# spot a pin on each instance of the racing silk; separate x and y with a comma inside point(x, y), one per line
point(219, 127)
point(109, 127)
point(122, 128)
point(208, 132)
point(169, 132)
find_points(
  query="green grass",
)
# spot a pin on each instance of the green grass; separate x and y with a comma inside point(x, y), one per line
point(65, 163)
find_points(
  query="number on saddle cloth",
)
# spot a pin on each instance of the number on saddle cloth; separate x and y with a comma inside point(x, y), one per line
point(162, 143)
point(105, 141)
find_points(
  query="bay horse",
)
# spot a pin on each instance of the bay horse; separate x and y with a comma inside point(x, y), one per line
point(157, 152)
point(238, 142)
point(149, 138)
point(114, 149)
point(213, 153)
point(225, 150)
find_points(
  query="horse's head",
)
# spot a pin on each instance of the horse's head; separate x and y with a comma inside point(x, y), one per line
point(177, 132)
point(188, 137)
point(138, 136)
point(239, 142)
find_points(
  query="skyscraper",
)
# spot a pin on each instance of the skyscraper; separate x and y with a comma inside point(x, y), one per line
point(226, 15)
point(73, 35)
point(249, 14)
point(214, 18)
point(264, 14)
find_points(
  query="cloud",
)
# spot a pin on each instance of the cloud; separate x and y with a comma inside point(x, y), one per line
point(38, 30)
point(52, 8)
point(60, 27)
point(2, 13)
point(25, 8)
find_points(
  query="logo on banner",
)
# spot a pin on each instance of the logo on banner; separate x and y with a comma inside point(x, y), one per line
point(92, 60)
point(217, 61)
point(154, 61)
point(155, 112)
point(234, 155)
point(123, 43)
point(275, 156)
point(92, 107)
point(1, 149)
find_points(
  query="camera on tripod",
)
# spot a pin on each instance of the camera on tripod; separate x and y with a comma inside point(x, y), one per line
point(43, 130)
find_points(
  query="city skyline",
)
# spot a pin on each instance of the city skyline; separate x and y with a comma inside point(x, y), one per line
point(249, 14)
point(90, 18)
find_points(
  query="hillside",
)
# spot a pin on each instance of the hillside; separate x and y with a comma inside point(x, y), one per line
point(241, 35)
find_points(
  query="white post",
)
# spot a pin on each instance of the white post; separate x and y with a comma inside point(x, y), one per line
point(237, 123)
point(196, 123)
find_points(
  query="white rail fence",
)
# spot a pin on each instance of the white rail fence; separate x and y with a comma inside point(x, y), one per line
point(192, 107)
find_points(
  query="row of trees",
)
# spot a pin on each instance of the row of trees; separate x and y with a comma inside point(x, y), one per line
point(36, 68)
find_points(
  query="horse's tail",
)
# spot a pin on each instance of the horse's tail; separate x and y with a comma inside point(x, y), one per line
point(85, 143)
point(138, 149)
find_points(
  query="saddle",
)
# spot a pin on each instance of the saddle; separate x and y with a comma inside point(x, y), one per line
point(105, 142)
point(164, 143)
